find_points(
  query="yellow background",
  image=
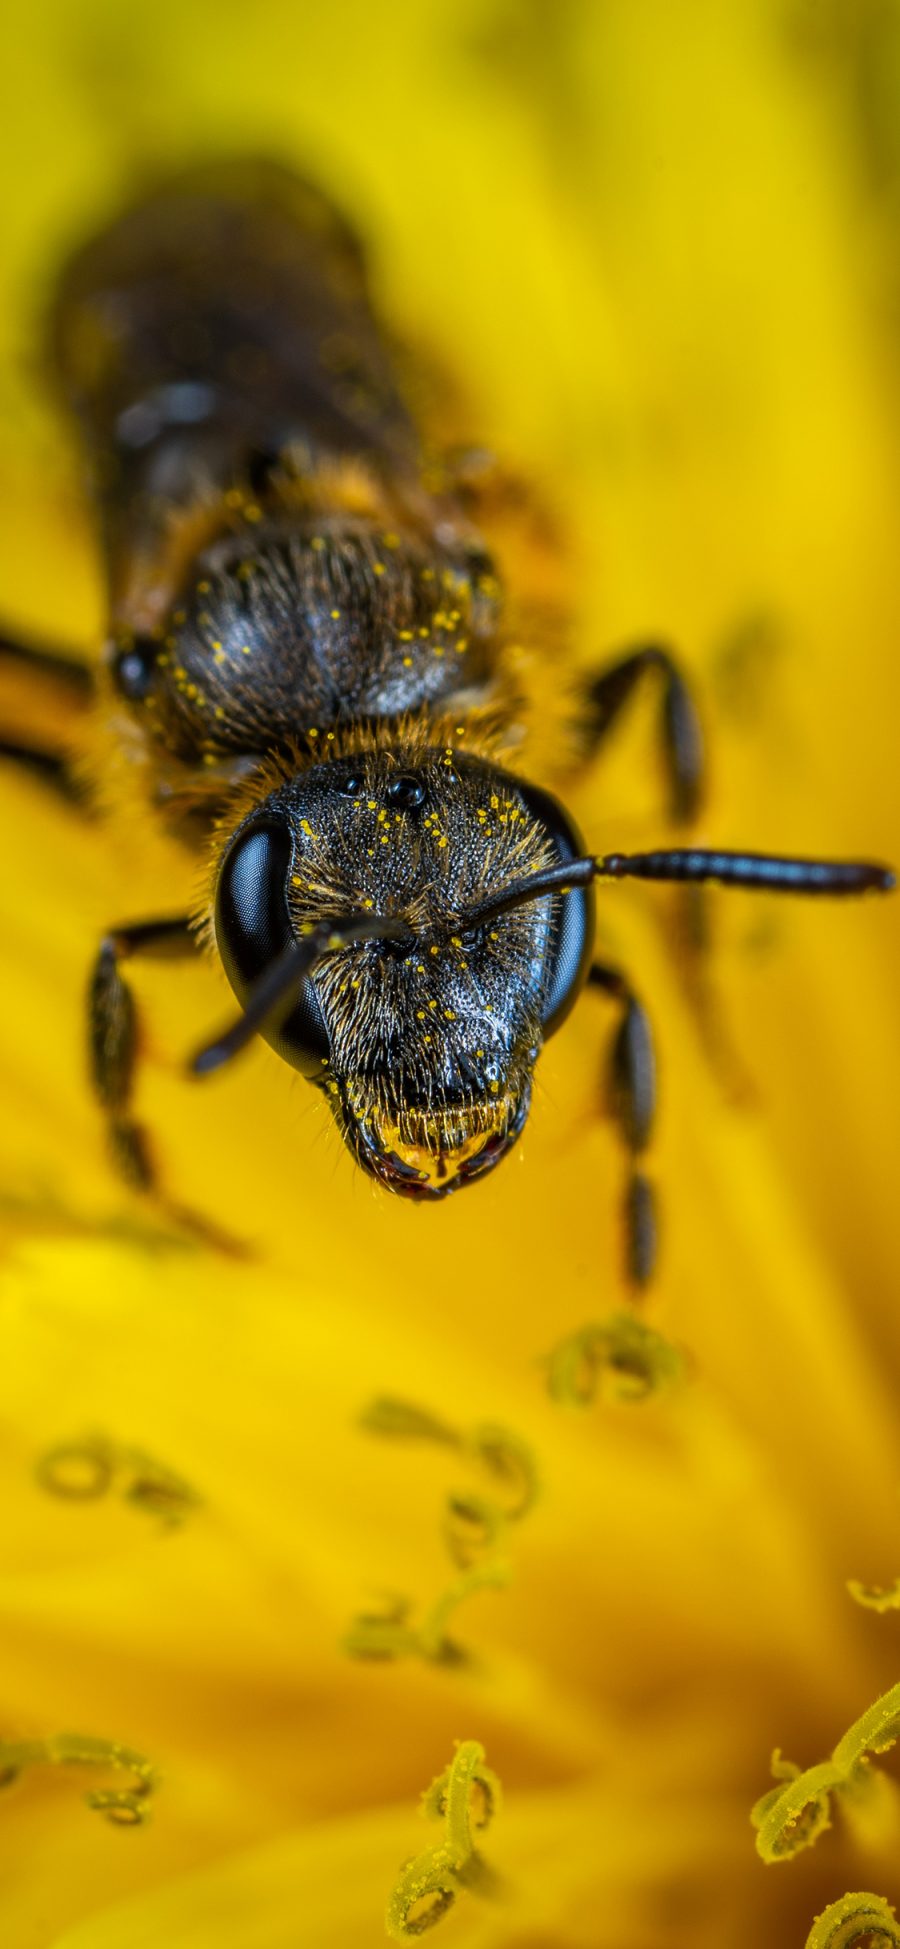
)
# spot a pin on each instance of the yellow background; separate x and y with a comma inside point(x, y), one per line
point(658, 246)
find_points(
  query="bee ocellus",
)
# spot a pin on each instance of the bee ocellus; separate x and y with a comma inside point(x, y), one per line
point(307, 673)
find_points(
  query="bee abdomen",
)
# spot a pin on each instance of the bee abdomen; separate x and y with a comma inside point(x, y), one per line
point(220, 322)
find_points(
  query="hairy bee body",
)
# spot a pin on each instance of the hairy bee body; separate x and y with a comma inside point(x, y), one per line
point(307, 672)
point(304, 651)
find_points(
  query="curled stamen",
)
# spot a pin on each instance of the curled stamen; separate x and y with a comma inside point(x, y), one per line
point(389, 1632)
point(434, 1642)
point(876, 1597)
point(509, 1462)
point(803, 1810)
point(77, 1471)
point(620, 1359)
point(402, 1419)
point(791, 1817)
point(506, 1458)
point(383, 1633)
point(123, 1806)
point(465, 1796)
point(85, 1468)
point(472, 1527)
point(855, 1922)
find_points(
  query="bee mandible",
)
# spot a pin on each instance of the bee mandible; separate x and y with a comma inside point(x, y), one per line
point(306, 676)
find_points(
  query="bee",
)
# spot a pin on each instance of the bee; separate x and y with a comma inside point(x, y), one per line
point(308, 677)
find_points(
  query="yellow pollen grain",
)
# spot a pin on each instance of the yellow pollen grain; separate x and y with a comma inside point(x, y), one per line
point(367, 903)
point(317, 543)
point(245, 649)
point(391, 541)
point(432, 1004)
point(335, 615)
point(245, 570)
point(407, 663)
point(455, 941)
point(405, 636)
point(434, 950)
point(378, 568)
point(307, 828)
point(252, 512)
point(449, 1015)
point(420, 1014)
point(494, 1088)
point(355, 982)
point(428, 575)
point(296, 880)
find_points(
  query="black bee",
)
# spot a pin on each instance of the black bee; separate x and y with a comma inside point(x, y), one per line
point(307, 675)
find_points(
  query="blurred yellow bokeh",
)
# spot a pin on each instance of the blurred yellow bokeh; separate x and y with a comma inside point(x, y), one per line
point(656, 248)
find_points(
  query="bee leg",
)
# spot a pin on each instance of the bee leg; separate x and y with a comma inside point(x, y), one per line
point(42, 696)
point(114, 1036)
point(681, 737)
point(631, 1101)
point(48, 766)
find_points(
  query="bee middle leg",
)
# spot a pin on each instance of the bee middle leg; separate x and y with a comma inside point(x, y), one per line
point(631, 1102)
point(606, 695)
point(114, 1037)
point(43, 695)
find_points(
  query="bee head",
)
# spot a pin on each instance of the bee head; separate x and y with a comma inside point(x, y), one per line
point(424, 1044)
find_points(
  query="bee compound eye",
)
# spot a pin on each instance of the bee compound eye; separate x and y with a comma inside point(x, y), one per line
point(572, 929)
point(253, 928)
point(134, 668)
point(406, 793)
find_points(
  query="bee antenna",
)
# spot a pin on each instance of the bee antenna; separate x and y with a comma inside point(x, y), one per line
point(767, 872)
point(284, 976)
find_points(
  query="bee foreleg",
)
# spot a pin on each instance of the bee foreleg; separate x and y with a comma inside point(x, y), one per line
point(114, 1037)
point(631, 1102)
point(681, 736)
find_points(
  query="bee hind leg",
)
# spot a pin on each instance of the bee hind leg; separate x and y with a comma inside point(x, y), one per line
point(605, 696)
point(631, 1102)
